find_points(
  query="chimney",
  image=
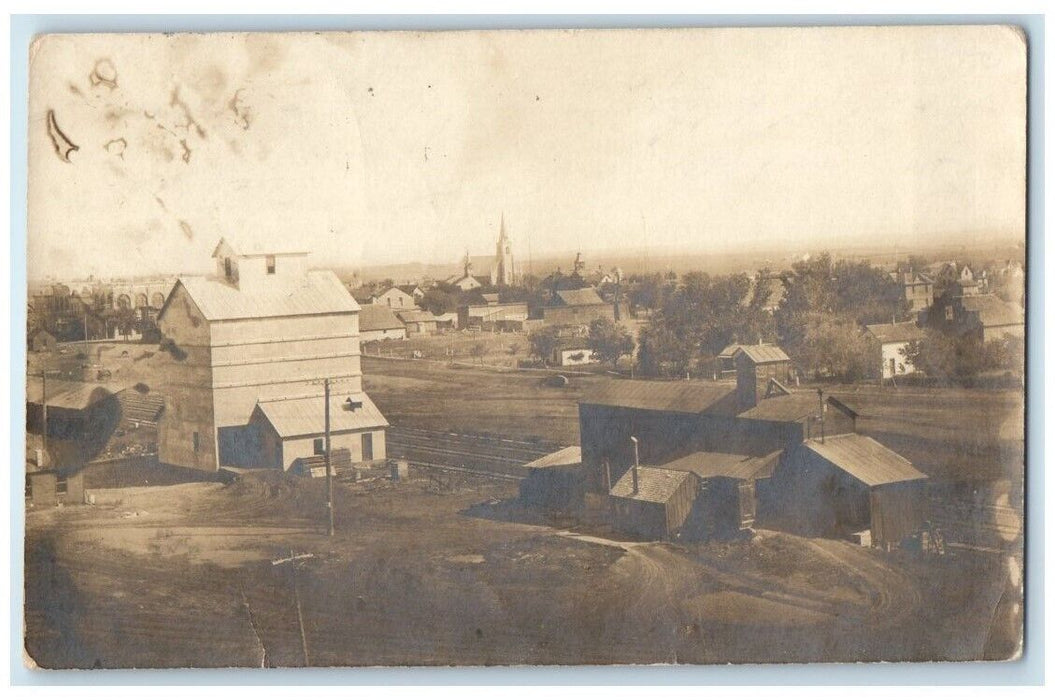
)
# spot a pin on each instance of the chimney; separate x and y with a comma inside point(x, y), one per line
point(747, 393)
point(633, 469)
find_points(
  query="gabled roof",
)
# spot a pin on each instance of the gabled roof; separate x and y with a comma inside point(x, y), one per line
point(895, 332)
point(66, 394)
point(729, 351)
point(720, 464)
point(673, 397)
point(994, 311)
point(317, 292)
point(587, 296)
point(416, 316)
point(865, 459)
point(408, 288)
point(397, 289)
point(763, 354)
point(306, 416)
point(792, 407)
point(378, 317)
point(653, 485)
point(565, 457)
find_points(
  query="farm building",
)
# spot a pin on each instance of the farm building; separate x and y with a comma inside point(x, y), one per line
point(287, 429)
point(47, 486)
point(986, 317)
point(80, 416)
point(733, 441)
point(418, 322)
point(493, 316)
point(725, 362)
point(893, 339)
point(447, 321)
point(262, 329)
point(850, 483)
point(555, 481)
point(398, 298)
point(42, 341)
point(378, 322)
point(572, 307)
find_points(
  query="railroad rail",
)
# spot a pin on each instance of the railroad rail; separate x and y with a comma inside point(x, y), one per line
point(489, 455)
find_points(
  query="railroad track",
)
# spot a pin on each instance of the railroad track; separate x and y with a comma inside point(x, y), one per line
point(497, 456)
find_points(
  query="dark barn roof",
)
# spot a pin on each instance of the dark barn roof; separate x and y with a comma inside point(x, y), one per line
point(673, 397)
point(653, 485)
point(721, 464)
point(763, 354)
point(587, 296)
point(895, 332)
point(865, 459)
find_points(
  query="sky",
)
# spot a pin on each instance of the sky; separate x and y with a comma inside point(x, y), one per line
point(376, 148)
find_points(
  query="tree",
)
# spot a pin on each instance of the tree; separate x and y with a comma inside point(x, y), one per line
point(956, 358)
point(544, 342)
point(438, 302)
point(609, 341)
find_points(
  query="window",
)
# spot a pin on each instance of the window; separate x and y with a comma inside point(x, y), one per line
point(196, 441)
point(60, 485)
point(227, 267)
point(368, 447)
point(270, 260)
point(320, 446)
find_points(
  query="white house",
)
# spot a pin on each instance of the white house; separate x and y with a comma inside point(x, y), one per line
point(893, 339)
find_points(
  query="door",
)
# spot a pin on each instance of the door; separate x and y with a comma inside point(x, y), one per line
point(368, 447)
point(893, 367)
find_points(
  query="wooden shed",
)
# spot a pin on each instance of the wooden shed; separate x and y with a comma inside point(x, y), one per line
point(850, 483)
point(652, 502)
point(555, 481)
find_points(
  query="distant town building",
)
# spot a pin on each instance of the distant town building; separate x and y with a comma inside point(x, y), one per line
point(493, 316)
point(250, 348)
point(917, 290)
point(502, 272)
point(418, 322)
point(399, 298)
point(378, 322)
point(577, 307)
point(984, 316)
point(893, 340)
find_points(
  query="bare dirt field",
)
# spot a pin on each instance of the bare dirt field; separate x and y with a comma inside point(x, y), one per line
point(183, 576)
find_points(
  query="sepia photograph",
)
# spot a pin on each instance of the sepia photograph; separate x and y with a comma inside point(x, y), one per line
point(549, 347)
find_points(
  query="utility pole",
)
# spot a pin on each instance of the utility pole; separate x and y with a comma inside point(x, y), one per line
point(329, 469)
point(44, 411)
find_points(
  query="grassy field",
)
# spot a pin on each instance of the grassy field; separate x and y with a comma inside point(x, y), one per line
point(183, 576)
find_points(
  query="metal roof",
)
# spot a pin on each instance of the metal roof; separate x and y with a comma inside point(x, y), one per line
point(377, 317)
point(317, 292)
point(305, 416)
point(762, 354)
point(865, 459)
point(66, 394)
point(249, 246)
point(791, 407)
point(674, 397)
point(994, 311)
point(895, 332)
point(653, 484)
point(566, 457)
point(736, 466)
point(416, 316)
point(729, 350)
point(587, 296)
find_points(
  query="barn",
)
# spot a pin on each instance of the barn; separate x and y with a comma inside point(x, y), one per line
point(847, 484)
point(418, 322)
point(572, 307)
point(378, 322)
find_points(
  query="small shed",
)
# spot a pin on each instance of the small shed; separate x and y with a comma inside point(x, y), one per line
point(652, 502)
point(849, 483)
point(418, 322)
point(555, 481)
point(379, 322)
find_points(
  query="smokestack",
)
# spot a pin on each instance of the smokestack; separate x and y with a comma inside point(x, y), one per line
point(820, 400)
point(634, 468)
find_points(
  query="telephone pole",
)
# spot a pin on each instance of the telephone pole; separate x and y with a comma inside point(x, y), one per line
point(329, 469)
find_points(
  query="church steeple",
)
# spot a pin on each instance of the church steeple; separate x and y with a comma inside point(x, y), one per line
point(502, 272)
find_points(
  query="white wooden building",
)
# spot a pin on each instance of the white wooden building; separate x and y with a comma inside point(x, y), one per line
point(262, 332)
